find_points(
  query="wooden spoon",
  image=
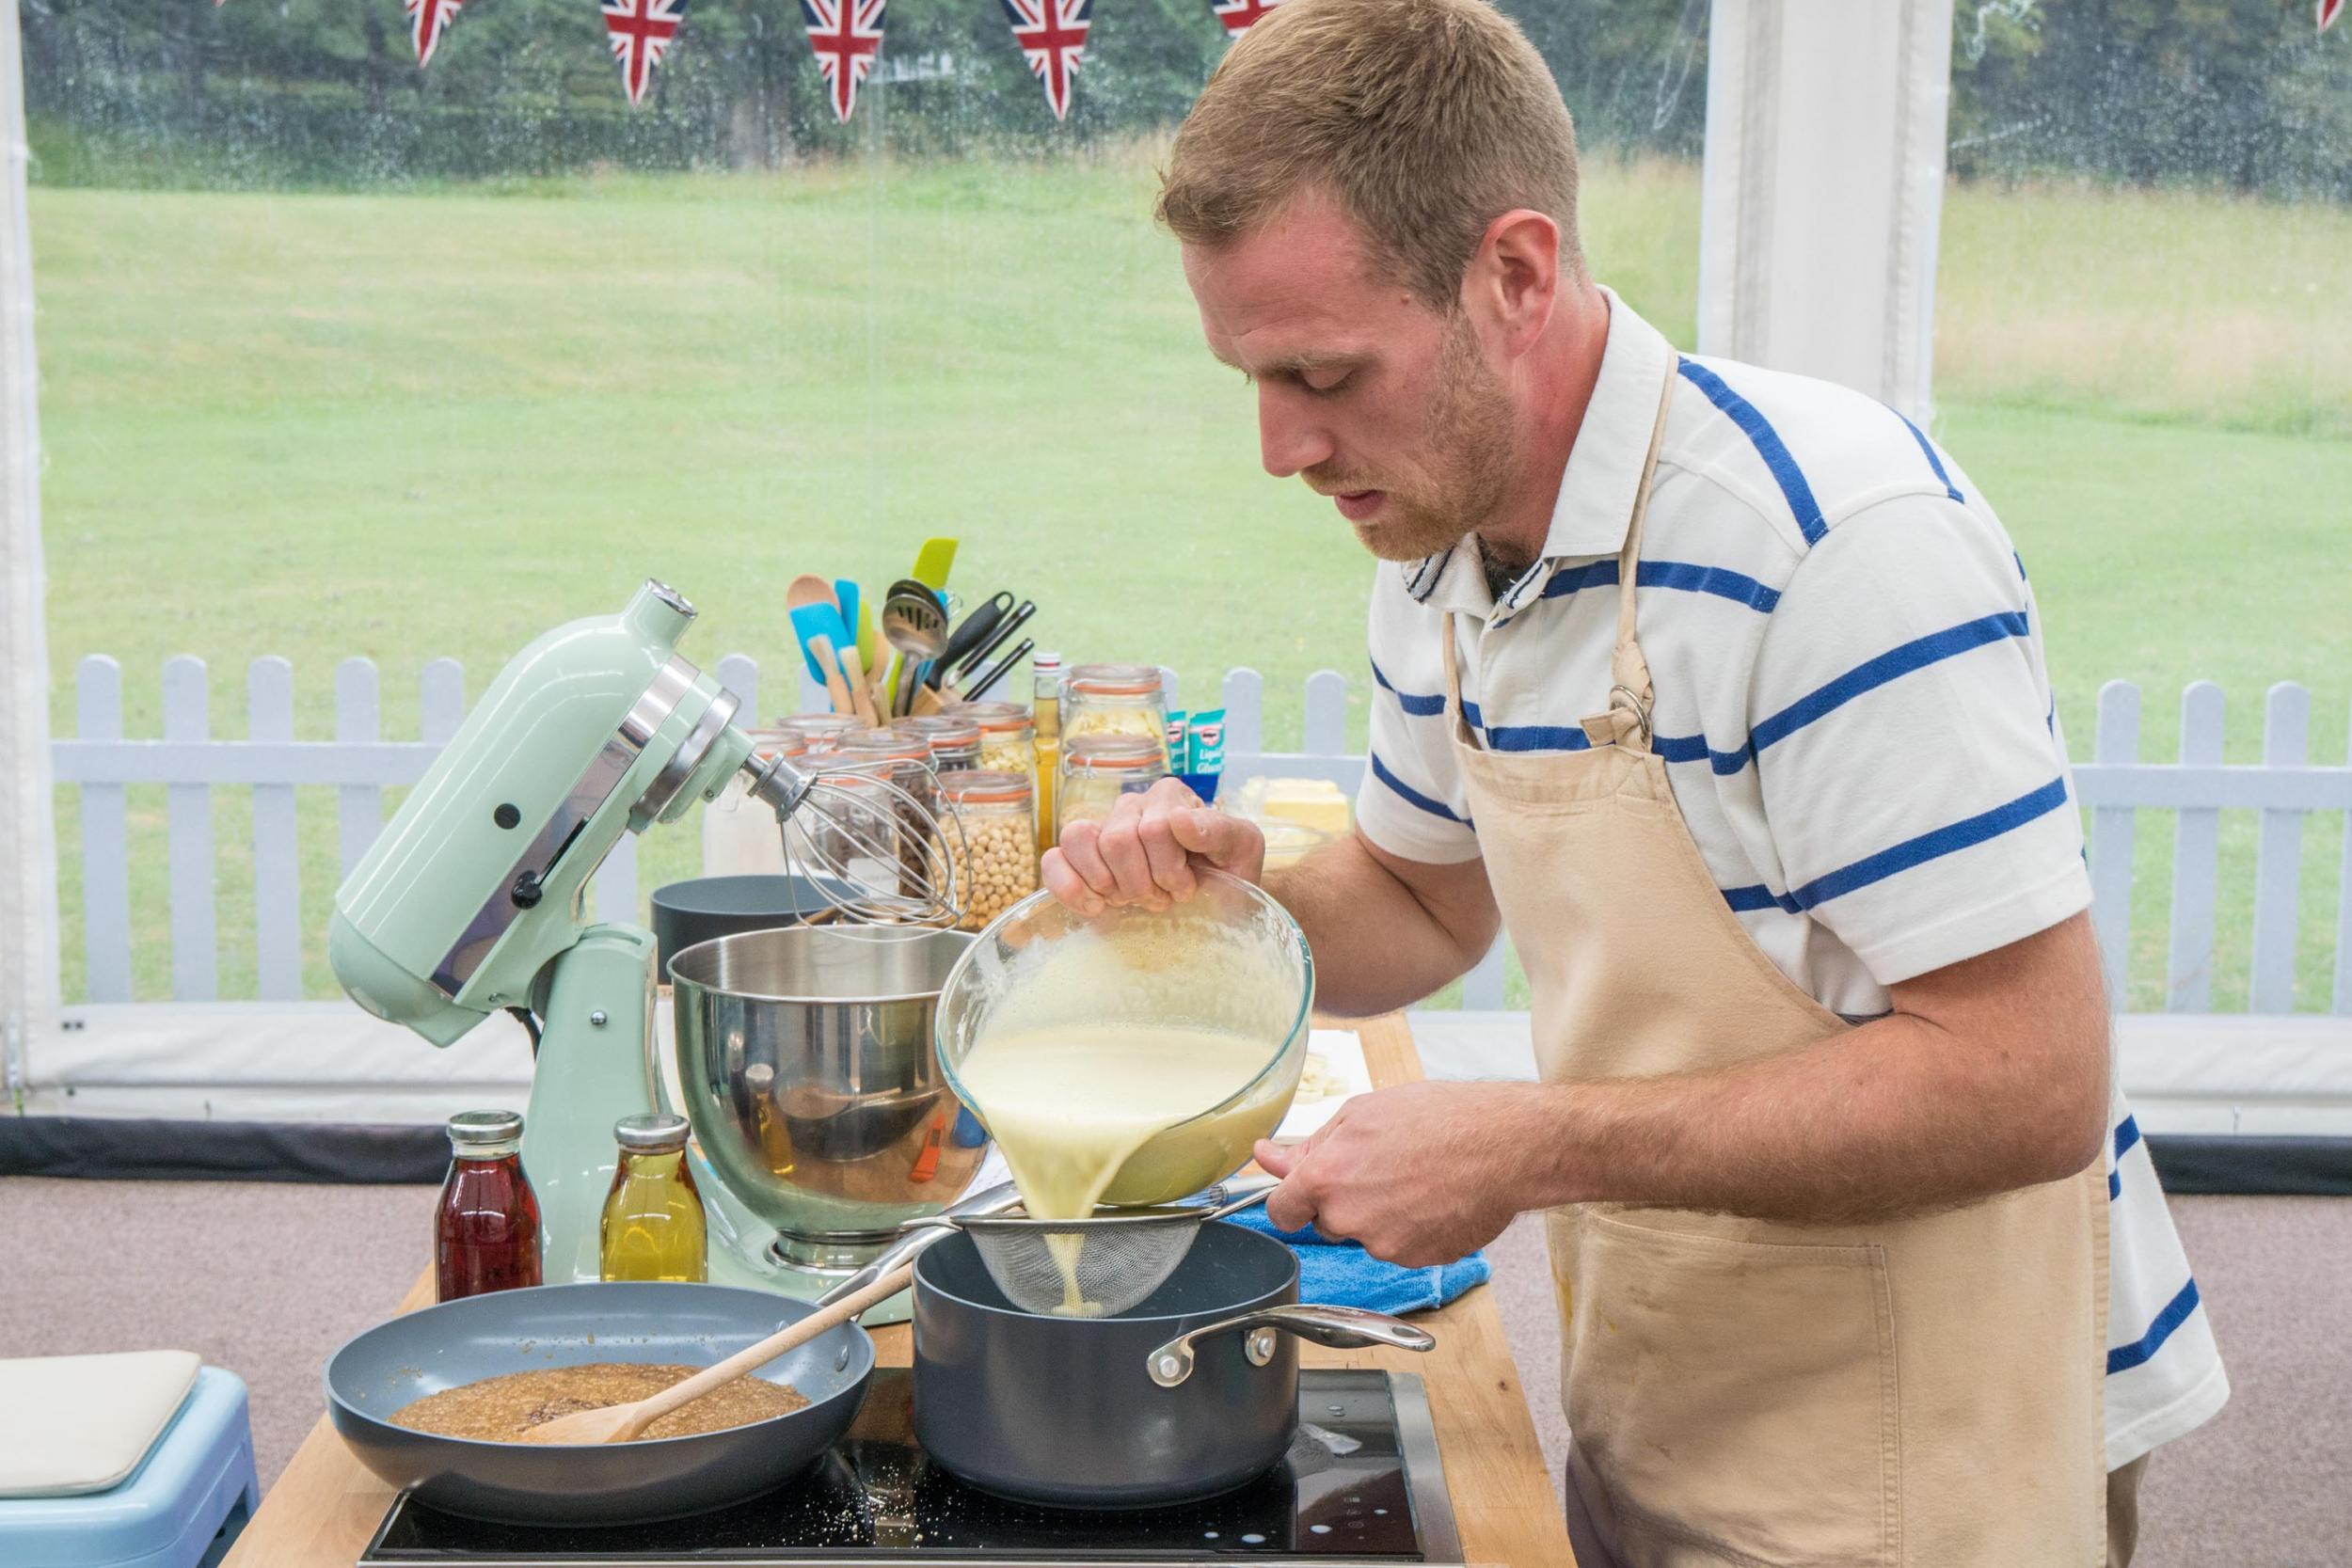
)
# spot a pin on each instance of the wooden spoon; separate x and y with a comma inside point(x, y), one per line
point(624, 1423)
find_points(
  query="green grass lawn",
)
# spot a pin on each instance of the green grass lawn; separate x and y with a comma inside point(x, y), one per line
point(424, 424)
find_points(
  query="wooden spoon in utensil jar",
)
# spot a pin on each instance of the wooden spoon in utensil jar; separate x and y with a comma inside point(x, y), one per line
point(625, 1423)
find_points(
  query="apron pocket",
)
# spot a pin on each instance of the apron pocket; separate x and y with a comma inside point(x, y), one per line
point(1734, 1399)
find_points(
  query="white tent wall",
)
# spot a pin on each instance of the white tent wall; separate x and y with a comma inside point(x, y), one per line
point(28, 851)
point(1823, 187)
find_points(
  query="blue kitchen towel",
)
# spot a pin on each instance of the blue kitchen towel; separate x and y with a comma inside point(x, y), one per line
point(1343, 1274)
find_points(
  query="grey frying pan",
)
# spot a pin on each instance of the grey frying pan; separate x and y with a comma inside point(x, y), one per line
point(511, 1331)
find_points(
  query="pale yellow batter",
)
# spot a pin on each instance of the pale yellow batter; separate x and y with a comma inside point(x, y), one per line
point(1069, 1103)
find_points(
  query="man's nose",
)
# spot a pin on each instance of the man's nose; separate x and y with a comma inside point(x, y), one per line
point(1289, 438)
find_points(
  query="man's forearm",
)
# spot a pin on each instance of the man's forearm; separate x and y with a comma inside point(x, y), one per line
point(1378, 946)
point(1890, 1119)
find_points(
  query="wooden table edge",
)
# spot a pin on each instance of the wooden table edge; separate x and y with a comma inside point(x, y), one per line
point(326, 1506)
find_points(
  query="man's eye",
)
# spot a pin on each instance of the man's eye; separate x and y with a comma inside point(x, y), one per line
point(1324, 383)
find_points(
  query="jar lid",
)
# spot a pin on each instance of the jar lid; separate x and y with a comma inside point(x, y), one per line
point(1115, 680)
point(939, 732)
point(484, 1132)
point(781, 742)
point(816, 723)
point(654, 1132)
point(884, 745)
point(994, 718)
point(1114, 750)
point(986, 787)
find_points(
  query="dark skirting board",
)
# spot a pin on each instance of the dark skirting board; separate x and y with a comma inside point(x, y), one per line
point(136, 1148)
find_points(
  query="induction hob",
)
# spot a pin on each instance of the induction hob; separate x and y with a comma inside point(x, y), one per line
point(1362, 1485)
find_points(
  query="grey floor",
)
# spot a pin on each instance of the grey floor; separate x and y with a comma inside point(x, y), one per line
point(267, 1279)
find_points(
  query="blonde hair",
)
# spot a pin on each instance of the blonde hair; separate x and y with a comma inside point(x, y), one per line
point(1426, 119)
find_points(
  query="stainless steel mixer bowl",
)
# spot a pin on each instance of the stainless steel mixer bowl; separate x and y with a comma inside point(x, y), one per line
point(804, 1055)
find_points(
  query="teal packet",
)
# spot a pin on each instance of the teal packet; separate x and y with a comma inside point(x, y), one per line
point(1204, 750)
point(1172, 740)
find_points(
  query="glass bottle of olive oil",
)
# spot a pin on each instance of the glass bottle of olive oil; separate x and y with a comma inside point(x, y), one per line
point(653, 1226)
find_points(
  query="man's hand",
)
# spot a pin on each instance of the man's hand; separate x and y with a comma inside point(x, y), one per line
point(1419, 1173)
point(1150, 852)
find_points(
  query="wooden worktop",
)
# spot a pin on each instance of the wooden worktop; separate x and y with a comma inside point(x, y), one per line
point(326, 1505)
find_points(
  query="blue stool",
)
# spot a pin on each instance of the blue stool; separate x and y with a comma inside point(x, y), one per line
point(182, 1508)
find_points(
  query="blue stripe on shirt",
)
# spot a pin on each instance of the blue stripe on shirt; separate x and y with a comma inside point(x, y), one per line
point(1768, 445)
point(1412, 701)
point(1934, 461)
point(1412, 797)
point(2142, 1349)
point(1916, 653)
point(2126, 1134)
point(1929, 846)
point(1687, 576)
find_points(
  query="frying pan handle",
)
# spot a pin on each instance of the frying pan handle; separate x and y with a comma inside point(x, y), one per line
point(1340, 1327)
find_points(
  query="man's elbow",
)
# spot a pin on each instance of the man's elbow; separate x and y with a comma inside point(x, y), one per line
point(2066, 1112)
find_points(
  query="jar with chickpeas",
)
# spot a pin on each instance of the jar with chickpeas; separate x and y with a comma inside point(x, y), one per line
point(1096, 769)
point(1114, 699)
point(1007, 737)
point(995, 856)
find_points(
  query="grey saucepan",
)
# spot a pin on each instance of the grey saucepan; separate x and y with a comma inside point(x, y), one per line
point(511, 1331)
point(1191, 1393)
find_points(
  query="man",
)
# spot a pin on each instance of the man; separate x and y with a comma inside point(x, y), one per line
point(1724, 690)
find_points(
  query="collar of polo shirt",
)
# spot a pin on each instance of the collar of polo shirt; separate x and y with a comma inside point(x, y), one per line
point(1596, 489)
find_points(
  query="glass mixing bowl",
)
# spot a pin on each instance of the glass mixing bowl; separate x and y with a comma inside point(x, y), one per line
point(1229, 958)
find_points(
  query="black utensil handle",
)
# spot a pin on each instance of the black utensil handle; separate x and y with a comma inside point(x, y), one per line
point(996, 638)
point(979, 688)
point(972, 632)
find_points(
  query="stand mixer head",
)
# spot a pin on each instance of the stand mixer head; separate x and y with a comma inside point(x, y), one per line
point(471, 900)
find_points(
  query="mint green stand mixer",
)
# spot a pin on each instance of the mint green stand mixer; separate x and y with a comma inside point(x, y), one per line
point(471, 901)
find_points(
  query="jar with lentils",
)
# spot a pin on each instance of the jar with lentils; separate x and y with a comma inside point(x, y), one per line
point(1114, 699)
point(995, 856)
point(905, 761)
point(1096, 769)
point(953, 741)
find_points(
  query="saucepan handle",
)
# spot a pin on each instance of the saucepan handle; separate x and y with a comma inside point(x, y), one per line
point(1340, 1327)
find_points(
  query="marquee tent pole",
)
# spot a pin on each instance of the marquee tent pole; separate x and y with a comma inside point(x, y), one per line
point(28, 849)
point(1824, 189)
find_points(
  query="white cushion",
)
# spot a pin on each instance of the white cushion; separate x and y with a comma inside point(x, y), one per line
point(81, 1423)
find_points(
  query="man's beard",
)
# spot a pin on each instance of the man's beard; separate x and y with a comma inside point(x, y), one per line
point(1468, 432)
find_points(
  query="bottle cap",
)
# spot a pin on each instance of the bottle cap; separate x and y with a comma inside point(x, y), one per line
point(652, 1134)
point(480, 1134)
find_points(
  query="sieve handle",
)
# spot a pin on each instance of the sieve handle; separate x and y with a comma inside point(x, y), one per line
point(1338, 1327)
point(917, 1234)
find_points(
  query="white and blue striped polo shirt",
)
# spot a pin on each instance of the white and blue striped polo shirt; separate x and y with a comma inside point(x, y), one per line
point(1851, 701)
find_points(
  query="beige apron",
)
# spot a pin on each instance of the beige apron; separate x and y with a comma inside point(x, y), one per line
point(1924, 1392)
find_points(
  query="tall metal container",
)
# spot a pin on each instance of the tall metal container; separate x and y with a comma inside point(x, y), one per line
point(805, 1058)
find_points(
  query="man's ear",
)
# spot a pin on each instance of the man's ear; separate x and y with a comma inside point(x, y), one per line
point(1513, 281)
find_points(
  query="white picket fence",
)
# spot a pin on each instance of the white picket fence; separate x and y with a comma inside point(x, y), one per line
point(2286, 787)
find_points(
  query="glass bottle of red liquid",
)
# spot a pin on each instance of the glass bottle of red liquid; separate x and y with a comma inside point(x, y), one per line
point(486, 1231)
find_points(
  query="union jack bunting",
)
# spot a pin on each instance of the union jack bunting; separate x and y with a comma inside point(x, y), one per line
point(427, 20)
point(2329, 11)
point(643, 31)
point(1238, 15)
point(1053, 38)
point(846, 36)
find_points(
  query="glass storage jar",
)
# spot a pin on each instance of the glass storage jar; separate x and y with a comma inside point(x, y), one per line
point(1008, 737)
point(994, 859)
point(954, 742)
point(1096, 769)
point(858, 832)
point(823, 732)
point(905, 761)
point(1114, 699)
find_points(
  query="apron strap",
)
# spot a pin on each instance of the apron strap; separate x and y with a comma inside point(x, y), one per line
point(1454, 684)
point(1626, 722)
